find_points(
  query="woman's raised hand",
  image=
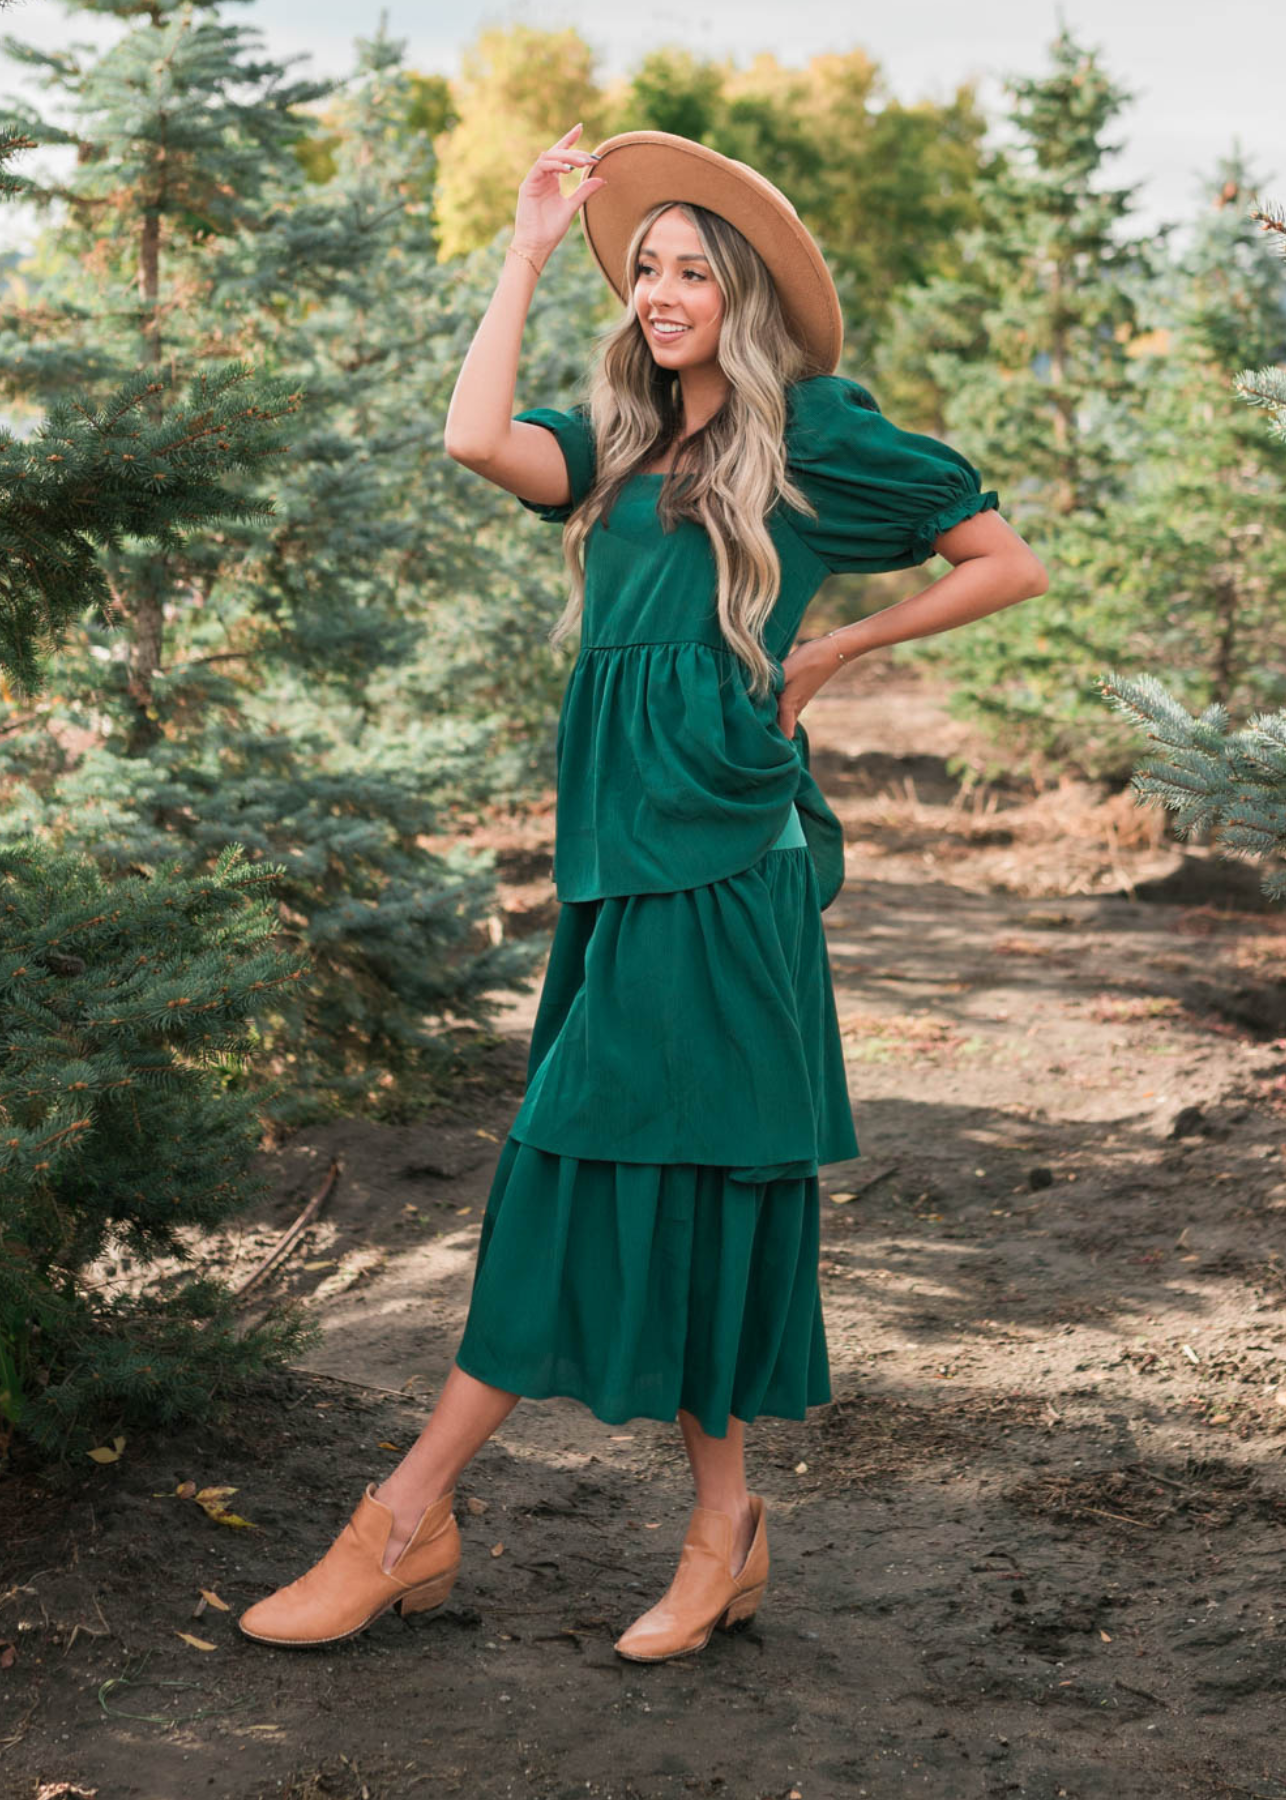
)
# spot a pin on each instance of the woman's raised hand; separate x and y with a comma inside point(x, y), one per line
point(544, 211)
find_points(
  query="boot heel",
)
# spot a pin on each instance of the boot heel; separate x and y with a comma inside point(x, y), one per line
point(428, 1595)
point(740, 1611)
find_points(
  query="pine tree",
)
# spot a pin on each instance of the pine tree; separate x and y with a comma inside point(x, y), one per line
point(129, 1103)
point(129, 1125)
point(1184, 568)
point(1029, 347)
point(1027, 361)
point(1200, 550)
point(90, 477)
point(405, 586)
point(176, 129)
point(274, 685)
point(1230, 784)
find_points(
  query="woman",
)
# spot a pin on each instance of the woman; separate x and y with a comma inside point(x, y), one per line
point(650, 1241)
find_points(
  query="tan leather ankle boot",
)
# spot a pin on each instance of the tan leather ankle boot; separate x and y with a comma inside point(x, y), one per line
point(349, 1588)
point(706, 1591)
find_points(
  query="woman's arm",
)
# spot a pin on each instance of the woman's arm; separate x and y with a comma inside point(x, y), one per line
point(480, 429)
point(994, 568)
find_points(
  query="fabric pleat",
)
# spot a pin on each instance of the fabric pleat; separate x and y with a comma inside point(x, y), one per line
point(695, 1026)
point(640, 1289)
point(660, 1250)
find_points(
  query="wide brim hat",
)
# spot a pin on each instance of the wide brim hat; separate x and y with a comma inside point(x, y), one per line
point(643, 168)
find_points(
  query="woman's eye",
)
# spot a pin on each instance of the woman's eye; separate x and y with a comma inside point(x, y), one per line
point(646, 269)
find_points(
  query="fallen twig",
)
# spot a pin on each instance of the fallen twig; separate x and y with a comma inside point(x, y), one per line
point(1120, 1518)
point(289, 1238)
point(370, 1387)
point(19, 1731)
point(1143, 1694)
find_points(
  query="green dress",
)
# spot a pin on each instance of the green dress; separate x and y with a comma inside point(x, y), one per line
point(651, 1236)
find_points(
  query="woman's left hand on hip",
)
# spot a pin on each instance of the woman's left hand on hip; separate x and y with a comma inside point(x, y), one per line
point(808, 667)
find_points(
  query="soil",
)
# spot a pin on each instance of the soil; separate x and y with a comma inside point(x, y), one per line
point(1033, 1546)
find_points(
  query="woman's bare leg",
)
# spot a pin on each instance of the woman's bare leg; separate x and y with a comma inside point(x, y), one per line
point(719, 1470)
point(466, 1414)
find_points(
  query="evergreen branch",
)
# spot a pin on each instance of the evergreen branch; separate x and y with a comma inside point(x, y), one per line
point(1233, 783)
point(161, 1013)
point(1270, 215)
point(1262, 387)
point(42, 319)
point(95, 473)
point(12, 140)
point(41, 192)
point(60, 66)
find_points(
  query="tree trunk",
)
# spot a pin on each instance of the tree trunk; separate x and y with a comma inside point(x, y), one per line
point(149, 599)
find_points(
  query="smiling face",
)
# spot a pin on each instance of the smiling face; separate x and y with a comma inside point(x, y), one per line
point(674, 286)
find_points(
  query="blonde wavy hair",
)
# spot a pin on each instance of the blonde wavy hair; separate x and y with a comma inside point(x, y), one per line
point(735, 463)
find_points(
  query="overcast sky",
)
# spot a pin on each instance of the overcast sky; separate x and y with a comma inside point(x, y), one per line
point(1192, 69)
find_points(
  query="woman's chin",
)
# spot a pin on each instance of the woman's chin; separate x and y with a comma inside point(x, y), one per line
point(677, 358)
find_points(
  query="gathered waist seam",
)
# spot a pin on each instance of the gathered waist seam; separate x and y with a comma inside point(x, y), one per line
point(658, 644)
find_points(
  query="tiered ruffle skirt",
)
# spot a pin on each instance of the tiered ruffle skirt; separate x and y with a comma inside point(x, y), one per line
point(650, 1240)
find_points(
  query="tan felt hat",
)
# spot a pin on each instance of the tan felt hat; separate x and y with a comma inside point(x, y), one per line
point(642, 168)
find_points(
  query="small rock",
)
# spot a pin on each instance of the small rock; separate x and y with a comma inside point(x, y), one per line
point(1187, 1122)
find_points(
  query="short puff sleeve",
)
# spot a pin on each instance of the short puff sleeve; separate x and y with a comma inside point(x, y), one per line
point(576, 441)
point(882, 494)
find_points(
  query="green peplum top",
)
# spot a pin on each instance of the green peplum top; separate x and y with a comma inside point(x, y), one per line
point(670, 774)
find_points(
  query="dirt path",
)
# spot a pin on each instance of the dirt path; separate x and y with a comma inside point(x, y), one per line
point(1034, 1545)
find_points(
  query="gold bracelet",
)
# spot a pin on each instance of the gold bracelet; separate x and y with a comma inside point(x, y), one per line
point(517, 252)
point(838, 651)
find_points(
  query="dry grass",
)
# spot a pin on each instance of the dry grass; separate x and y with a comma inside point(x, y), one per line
point(1073, 838)
point(1203, 1494)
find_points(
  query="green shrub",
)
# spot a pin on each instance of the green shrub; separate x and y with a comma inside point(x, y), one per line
point(130, 1118)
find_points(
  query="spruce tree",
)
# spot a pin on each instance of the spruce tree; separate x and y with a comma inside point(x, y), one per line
point(1229, 784)
point(130, 1101)
point(1026, 360)
point(1183, 569)
point(92, 476)
point(276, 685)
point(1200, 549)
point(176, 126)
point(130, 1125)
point(1028, 349)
